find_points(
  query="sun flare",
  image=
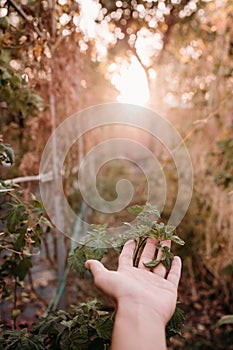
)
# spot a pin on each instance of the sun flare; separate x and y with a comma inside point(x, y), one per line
point(131, 81)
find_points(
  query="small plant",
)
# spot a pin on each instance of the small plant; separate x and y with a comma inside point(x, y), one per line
point(85, 327)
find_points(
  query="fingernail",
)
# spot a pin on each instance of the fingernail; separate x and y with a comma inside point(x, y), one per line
point(87, 264)
point(129, 242)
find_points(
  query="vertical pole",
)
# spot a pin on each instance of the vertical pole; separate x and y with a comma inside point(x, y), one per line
point(58, 213)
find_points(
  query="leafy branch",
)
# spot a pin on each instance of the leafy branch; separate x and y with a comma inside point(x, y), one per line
point(85, 327)
point(23, 225)
point(5, 247)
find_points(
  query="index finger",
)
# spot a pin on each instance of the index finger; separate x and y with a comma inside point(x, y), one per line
point(126, 256)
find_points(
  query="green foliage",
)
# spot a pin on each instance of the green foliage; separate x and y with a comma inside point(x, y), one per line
point(6, 154)
point(94, 247)
point(85, 327)
point(21, 341)
point(23, 224)
point(77, 259)
point(175, 324)
point(145, 226)
point(17, 97)
point(98, 240)
point(166, 259)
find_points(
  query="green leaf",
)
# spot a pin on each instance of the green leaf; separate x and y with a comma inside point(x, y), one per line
point(49, 324)
point(77, 259)
point(97, 240)
point(15, 313)
point(152, 263)
point(227, 319)
point(13, 217)
point(104, 327)
point(44, 221)
point(135, 209)
point(166, 263)
point(23, 267)
point(167, 257)
point(6, 154)
point(177, 240)
point(20, 241)
point(175, 325)
point(227, 270)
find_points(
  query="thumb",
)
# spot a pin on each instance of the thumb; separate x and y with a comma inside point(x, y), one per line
point(95, 267)
point(99, 273)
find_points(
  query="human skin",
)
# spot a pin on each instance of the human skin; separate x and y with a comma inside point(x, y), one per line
point(145, 300)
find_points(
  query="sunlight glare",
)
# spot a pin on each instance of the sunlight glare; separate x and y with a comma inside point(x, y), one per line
point(132, 83)
point(89, 13)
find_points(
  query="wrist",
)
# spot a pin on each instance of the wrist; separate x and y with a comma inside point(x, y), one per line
point(137, 326)
point(140, 309)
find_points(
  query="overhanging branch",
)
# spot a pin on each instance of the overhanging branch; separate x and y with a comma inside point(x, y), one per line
point(25, 17)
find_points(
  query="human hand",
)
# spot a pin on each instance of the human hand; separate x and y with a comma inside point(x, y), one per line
point(155, 291)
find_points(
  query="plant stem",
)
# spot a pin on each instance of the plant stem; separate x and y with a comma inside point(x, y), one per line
point(15, 301)
point(141, 241)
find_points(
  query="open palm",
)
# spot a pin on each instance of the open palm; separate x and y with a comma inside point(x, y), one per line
point(155, 290)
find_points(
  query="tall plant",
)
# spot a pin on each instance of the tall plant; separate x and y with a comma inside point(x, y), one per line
point(23, 224)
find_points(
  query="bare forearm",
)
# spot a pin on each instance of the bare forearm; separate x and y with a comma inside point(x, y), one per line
point(137, 328)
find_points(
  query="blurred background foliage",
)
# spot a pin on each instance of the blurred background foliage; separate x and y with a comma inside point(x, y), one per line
point(60, 56)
